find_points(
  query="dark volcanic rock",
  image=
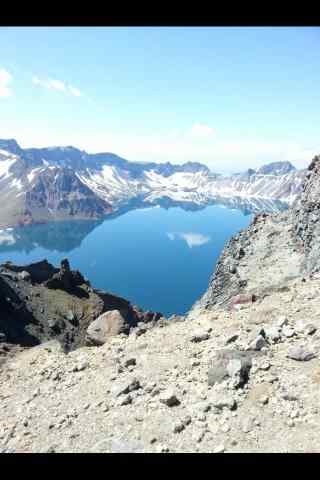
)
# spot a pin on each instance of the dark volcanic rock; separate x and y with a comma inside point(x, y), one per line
point(57, 303)
point(65, 279)
point(39, 272)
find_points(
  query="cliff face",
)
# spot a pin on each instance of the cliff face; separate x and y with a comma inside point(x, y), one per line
point(271, 251)
point(306, 216)
point(59, 194)
point(30, 193)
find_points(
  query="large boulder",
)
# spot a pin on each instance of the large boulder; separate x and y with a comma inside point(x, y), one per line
point(235, 364)
point(107, 325)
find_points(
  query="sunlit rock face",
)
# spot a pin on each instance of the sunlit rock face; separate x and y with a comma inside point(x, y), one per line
point(306, 213)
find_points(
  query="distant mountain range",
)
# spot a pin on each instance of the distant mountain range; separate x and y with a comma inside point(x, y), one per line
point(38, 185)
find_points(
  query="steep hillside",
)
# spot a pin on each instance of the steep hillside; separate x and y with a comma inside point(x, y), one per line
point(273, 250)
point(306, 213)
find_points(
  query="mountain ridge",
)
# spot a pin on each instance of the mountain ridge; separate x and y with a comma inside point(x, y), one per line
point(90, 186)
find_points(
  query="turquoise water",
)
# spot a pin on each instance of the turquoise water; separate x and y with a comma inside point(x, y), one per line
point(158, 259)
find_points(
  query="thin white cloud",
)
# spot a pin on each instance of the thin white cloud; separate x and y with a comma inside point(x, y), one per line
point(75, 91)
point(191, 238)
point(201, 131)
point(57, 85)
point(50, 84)
point(5, 81)
point(36, 80)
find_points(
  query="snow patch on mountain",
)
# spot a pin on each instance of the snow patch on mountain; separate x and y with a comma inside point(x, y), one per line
point(5, 166)
point(91, 183)
point(16, 184)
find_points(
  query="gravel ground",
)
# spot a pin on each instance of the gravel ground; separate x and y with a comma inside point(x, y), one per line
point(151, 392)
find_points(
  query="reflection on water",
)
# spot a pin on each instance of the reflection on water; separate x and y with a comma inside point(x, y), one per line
point(158, 258)
point(55, 236)
point(68, 235)
point(192, 239)
point(246, 205)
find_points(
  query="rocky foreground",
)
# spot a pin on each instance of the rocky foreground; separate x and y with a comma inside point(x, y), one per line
point(239, 373)
point(245, 380)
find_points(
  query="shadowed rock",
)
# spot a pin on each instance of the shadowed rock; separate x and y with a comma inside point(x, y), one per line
point(39, 302)
point(222, 367)
point(65, 279)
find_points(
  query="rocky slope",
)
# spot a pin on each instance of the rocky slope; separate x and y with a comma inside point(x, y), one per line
point(38, 185)
point(274, 249)
point(246, 380)
point(305, 218)
point(259, 259)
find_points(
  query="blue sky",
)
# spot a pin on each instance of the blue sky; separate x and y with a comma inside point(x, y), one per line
point(232, 98)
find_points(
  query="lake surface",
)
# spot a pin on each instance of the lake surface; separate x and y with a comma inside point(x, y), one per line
point(160, 259)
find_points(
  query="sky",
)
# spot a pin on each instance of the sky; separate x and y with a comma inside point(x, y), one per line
point(231, 98)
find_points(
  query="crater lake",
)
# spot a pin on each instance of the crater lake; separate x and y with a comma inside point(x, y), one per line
point(158, 258)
